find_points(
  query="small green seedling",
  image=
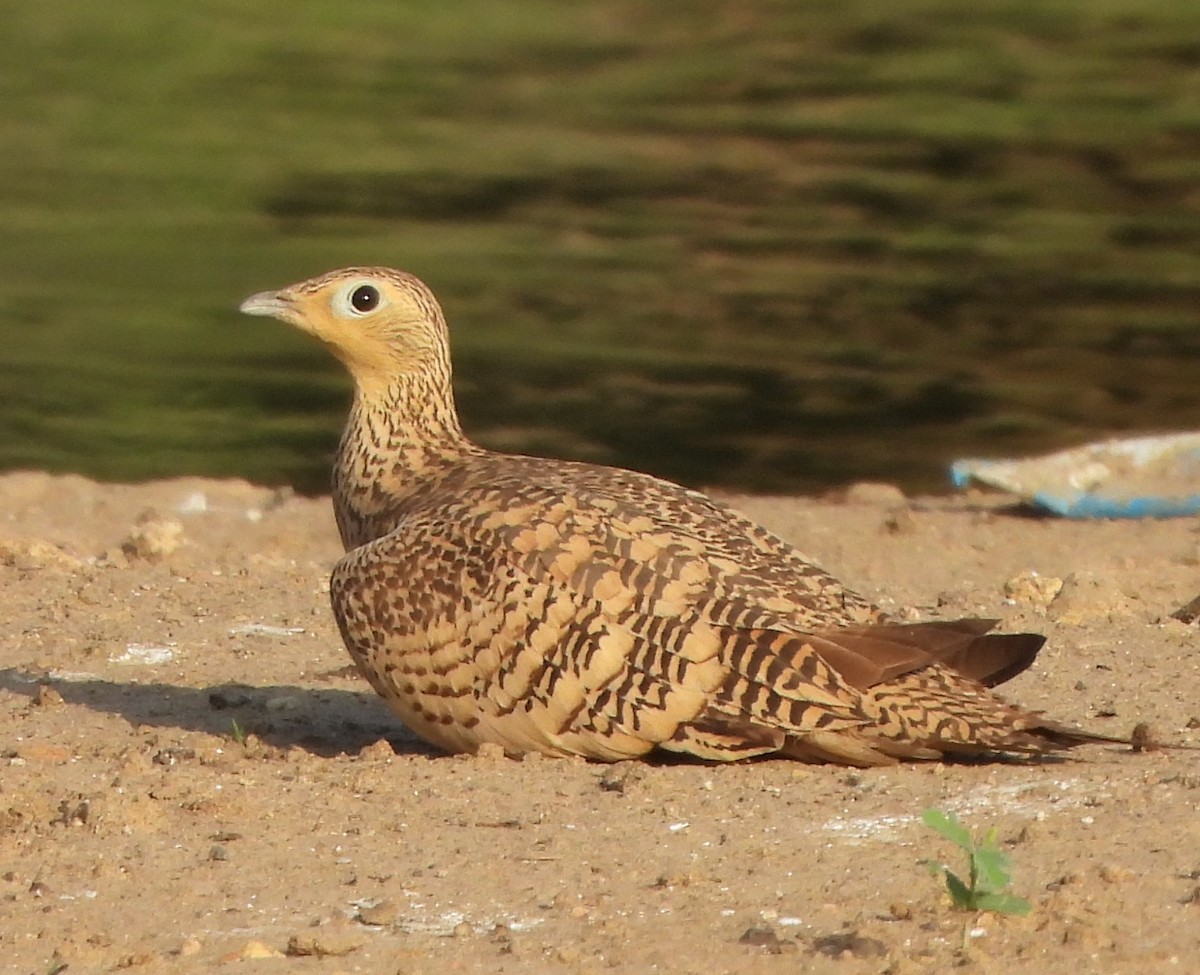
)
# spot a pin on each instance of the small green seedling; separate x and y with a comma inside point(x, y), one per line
point(237, 733)
point(986, 888)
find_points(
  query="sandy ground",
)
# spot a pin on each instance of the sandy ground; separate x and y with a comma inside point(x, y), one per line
point(191, 778)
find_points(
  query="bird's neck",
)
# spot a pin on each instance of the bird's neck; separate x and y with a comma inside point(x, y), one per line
point(399, 437)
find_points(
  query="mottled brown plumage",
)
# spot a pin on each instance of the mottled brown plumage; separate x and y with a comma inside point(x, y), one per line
point(573, 609)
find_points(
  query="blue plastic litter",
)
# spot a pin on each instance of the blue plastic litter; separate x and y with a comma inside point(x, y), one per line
point(1139, 477)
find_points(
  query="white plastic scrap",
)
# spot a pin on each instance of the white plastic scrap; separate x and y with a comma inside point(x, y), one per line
point(264, 629)
point(144, 654)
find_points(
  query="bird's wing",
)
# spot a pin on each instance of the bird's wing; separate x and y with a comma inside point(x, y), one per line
point(798, 648)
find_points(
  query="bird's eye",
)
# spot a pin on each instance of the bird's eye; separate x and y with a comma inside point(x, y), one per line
point(364, 298)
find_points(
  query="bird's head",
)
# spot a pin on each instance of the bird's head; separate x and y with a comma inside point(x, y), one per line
point(381, 323)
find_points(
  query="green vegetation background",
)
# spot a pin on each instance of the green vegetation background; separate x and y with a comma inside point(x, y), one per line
point(776, 245)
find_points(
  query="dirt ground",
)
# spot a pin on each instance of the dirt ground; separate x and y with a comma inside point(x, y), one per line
point(192, 780)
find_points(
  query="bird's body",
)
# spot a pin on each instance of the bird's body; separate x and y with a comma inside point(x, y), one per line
point(574, 609)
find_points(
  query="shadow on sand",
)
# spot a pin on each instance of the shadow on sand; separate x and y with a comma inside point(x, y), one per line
point(324, 722)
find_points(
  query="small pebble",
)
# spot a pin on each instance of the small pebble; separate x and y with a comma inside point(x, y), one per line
point(1143, 739)
point(489, 751)
point(1087, 596)
point(31, 554)
point(848, 944)
point(1033, 589)
point(332, 940)
point(252, 950)
point(621, 776)
point(873, 493)
point(1188, 613)
point(764, 936)
point(899, 522)
point(137, 959)
point(379, 915)
point(1113, 874)
point(152, 537)
point(44, 753)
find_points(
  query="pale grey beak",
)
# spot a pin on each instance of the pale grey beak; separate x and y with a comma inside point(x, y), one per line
point(270, 304)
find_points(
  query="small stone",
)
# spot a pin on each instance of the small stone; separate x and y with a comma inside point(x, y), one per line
point(848, 944)
point(379, 750)
point(1086, 596)
point(47, 697)
point(764, 936)
point(1188, 613)
point(252, 950)
point(32, 553)
point(567, 955)
point(332, 940)
point(462, 930)
point(1143, 739)
point(1113, 874)
point(899, 522)
point(189, 947)
point(489, 751)
point(901, 912)
point(379, 915)
point(621, 777)
point(672, 879)
point(1082, 934)
point(74, 812)
point(223, 698)
point(218, 852)
point(153, 537)
point(44, 753)
point(1033, 589)
point(875, 493)
point(173, 756)
point(1027, 833)
point(137, 959)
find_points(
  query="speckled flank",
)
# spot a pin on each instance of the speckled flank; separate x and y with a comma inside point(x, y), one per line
point(573, 609)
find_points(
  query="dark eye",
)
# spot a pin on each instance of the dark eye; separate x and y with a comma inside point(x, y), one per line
point(364, 298)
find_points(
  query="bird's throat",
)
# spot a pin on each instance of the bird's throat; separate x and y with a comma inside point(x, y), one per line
point(398, 440)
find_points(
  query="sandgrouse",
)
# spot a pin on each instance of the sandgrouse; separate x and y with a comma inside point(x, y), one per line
point(574, 609)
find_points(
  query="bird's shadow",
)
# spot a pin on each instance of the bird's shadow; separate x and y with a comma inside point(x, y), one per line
point(327, 722)
point(323, 721)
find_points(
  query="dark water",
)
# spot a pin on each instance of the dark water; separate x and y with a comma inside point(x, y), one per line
point(780, 247)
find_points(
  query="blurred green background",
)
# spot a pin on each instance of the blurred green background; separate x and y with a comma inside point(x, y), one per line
point(769, 245)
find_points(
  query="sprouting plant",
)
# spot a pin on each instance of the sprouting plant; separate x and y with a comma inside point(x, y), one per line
point(986, 887)
point(237, 733)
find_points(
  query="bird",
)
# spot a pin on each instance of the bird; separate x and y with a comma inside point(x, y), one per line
point(573, 609)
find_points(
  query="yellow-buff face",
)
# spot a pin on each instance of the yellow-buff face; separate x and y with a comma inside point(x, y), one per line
point(379, 322)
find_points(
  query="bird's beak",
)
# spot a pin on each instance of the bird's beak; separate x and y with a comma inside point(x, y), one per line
point(270, 304)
